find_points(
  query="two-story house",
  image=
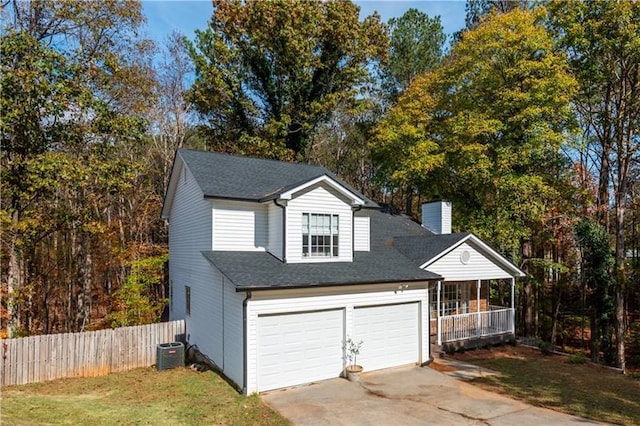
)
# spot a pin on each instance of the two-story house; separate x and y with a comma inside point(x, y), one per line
point(274, 265)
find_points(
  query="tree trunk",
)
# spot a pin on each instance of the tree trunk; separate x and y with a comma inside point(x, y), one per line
point(528, 290)
point(556, 314)
point(15, 280)
point(408, 202)
point(603, 187)
point(595, 338)
point(620, 322)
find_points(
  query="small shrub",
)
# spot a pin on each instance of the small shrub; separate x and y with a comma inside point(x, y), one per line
point(545, 347)
point(352, 350)
point(578, 358)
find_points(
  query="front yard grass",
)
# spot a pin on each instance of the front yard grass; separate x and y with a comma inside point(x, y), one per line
point(140, 396)
point(584, 390)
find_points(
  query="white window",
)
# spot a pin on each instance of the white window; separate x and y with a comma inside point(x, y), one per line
point(319, 234)
point(187, 297)
point(454, 299)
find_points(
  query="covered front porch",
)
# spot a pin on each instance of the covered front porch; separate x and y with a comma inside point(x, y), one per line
point(469, 313)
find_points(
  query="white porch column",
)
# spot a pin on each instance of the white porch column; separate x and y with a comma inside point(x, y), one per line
point(513, 306)
point(478, 326)
point(440, 313)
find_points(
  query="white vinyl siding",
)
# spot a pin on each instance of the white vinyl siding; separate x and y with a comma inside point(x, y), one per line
point(233, 334)
point(347, 298)
point(436, 217)
point(274, 240)
point(204, 325)
point(478, 267)
point(318, 200)
point(361, 233)
point(297, 348)
point(239, 226)
point(390, 335)
point(190, 231)
point(189, 234)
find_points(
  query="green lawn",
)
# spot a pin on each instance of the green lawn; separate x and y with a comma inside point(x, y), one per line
point(141, 396)
point(584, 390)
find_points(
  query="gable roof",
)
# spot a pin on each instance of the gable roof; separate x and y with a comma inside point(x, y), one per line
point(428, 250)
point(251, 179)
point(421, 249)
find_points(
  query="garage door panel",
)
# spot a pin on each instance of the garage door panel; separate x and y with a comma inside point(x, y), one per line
point(390, 335)
point(296, 348)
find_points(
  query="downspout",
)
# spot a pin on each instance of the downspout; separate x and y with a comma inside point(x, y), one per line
point(428, 321)
point(284, 229)
point(223, 333)
point(244, 333)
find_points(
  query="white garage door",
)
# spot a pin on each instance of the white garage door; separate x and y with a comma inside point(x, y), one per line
point(299, 348)
point(390, 335)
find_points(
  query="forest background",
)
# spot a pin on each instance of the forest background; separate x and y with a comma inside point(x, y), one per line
point(527, 120)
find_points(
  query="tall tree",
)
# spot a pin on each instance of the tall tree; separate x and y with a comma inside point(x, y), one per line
point(415, 47)
point(75, 84)
point(597, 261)
point(172, 120)
point(267, 73)
point(476, 10)
point(602, 40)
point(484, 130)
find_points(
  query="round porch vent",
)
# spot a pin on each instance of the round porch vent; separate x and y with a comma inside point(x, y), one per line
point(465, 256)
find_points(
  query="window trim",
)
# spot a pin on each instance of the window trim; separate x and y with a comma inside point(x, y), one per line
point(329, 247)
point(454, 305)
point(187, 299)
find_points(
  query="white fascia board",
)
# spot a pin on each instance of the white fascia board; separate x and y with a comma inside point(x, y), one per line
point(176, 172)
point(355, 200)
point(497, 256)
point(478, 242)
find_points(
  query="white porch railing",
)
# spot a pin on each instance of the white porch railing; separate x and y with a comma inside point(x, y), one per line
point(476, 324)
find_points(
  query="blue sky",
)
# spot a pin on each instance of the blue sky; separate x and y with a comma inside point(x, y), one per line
point(164, 16)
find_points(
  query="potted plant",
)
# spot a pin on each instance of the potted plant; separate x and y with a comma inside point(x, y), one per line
point(352, 350)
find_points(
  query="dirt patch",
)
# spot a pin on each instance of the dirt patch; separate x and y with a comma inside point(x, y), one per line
point(435, 365)
point(569, 384)
point(505, 351)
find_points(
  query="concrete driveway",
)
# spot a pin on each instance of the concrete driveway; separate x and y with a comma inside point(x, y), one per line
point(407, 396)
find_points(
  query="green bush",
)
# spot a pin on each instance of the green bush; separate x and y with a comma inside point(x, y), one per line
point(545, 347)
point(578, 358)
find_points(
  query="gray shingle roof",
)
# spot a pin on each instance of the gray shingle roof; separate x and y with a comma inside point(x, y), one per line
point(399, 245)
point(255, 270)
point(423, 248)
point(252, 179)
point(384, 263)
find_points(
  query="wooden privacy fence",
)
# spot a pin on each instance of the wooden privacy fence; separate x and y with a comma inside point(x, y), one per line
point(93, 353)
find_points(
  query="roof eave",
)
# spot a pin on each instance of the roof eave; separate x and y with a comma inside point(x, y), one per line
point(242, 288)
point(494, 254)
point(287, 193)
point(167, 202)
